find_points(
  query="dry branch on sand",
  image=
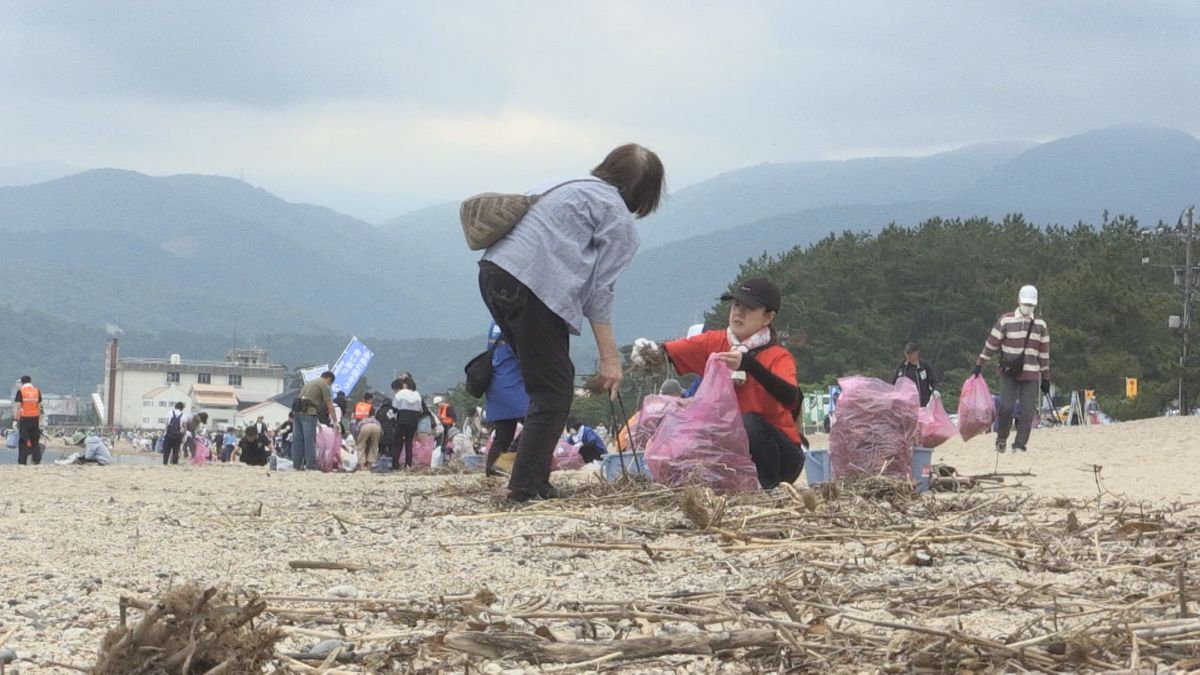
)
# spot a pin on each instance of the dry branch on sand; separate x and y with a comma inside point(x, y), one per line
point(861, 575)
point(189, 630)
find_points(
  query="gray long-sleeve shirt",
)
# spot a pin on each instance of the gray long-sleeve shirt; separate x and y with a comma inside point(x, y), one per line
point(570, 248)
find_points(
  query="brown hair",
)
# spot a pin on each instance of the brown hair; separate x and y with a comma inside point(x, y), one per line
point(637, 173)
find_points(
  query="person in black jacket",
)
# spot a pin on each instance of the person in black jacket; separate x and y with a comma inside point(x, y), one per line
point(386, 415)
point(253, 448)
point(920, 372)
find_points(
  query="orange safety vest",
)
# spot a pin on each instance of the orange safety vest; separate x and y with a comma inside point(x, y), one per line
point(30, 401)
point(443, 410)
point(362, 410)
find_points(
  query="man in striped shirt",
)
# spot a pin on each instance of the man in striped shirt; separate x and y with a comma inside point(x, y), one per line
point(1023, 343)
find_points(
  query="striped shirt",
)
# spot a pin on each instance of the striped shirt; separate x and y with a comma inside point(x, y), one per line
point(570, 248)
point(1008, 336)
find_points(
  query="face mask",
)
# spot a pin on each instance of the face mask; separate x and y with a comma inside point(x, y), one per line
point(1025, 310)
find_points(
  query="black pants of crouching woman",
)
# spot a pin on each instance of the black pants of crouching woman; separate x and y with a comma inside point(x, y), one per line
point(541, 340)
point(776, 457)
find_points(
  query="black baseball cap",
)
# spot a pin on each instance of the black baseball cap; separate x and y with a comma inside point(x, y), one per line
point(755, 293)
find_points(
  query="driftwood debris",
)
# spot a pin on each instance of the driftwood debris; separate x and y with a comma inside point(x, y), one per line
point(190, 630)
point(862, 575)
point(324, 565)
point(538, 650)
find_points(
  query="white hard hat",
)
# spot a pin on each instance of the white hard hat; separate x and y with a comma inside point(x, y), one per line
point(1028, 295)
point(437, 400)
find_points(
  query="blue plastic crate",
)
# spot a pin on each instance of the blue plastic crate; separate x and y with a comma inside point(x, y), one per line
point(922, 467)
point(817, 468)
point(610, 466)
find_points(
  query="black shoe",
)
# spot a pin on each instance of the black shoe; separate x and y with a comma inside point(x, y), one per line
point(548, 491)
point(521, 497)
point(1018, 448)
point(1000, 445)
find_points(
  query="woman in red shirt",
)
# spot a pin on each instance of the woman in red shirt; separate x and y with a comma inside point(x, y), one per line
point(764, 376)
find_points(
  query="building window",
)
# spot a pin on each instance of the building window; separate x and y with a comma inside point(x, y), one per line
point(235, 380)
point(203, 378)
point(147, 404)
point(163, 404)
point(162, 420)
point(172, 377)
point(145, 420)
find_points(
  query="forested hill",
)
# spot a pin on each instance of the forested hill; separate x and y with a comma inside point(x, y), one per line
point(850, 302)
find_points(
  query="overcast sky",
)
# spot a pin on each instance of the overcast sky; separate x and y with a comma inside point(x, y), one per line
point(377, 108)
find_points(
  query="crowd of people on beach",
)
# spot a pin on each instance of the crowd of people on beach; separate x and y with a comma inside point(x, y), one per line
point(551, 259)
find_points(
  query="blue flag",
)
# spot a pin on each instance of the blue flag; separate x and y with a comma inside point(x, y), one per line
point(351, 366)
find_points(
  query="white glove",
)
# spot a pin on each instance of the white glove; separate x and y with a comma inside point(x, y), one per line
point(646, 353)
point(937, 394)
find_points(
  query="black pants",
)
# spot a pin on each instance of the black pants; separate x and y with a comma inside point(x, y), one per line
point(776, 457)
point(590, 452)
point(505, 431)
point(30, 430)
point(541, 340)
point(171, 444)
point(403, 441)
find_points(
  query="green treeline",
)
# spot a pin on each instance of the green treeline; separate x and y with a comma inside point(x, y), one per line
point(851, 301)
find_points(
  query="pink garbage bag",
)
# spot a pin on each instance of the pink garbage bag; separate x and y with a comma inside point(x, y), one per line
point(936, 427)
point(328, 446)
point(201, 454)
point(654, 408)
point(566, 457)
point(976, 409)
point(423, 452)
point(875, 428)
point(705, 442)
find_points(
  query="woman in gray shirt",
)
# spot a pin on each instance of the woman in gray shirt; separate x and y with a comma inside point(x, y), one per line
point(557, 266)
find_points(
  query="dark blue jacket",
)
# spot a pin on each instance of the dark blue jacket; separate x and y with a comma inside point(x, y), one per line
point(506, 398)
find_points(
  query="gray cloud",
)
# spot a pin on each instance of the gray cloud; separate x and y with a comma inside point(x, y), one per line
point(376, 107)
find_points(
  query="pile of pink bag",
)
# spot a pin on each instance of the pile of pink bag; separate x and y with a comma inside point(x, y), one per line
point(976, 409)
point(935, 423)
point(422, 452)
point(328, 446)
point(705, 442)
point(566, 457)
point(654, 408)
point(201, 453)
point(875, 428)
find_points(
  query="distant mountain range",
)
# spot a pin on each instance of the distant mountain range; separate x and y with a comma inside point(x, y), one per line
point(212, 256)
point(693, 246)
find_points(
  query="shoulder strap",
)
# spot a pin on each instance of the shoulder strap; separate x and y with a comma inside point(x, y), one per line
point(573, 180)
point(1029, 332)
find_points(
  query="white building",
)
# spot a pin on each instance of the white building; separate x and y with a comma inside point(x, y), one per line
point(140, 392)
point(273, 411)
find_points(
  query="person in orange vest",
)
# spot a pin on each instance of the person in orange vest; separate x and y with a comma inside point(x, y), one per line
point(364, 408)
point(29, 413)
point(448, 417)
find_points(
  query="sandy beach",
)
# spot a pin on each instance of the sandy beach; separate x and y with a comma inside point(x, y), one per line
point(75, 539)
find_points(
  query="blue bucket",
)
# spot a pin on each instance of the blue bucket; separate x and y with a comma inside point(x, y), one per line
point(818, 470)
point(610, 466)
point(473, 462)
